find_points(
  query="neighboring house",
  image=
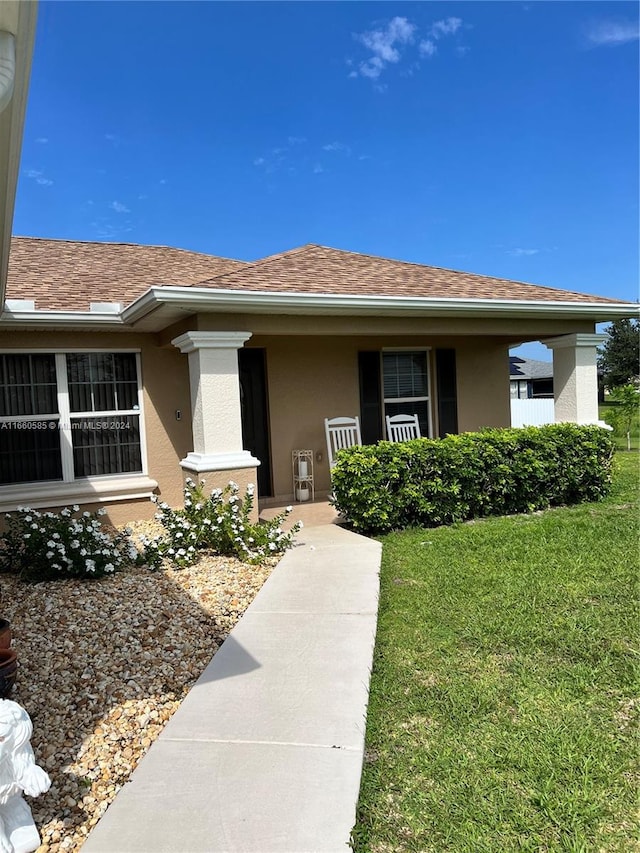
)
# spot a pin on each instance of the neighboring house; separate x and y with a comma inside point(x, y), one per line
point(125, 368)
point(529, 378)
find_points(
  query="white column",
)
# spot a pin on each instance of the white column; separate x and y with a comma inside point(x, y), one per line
point(575, 378)
point(215, 401)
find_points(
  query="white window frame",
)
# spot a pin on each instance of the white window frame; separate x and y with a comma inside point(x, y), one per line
point(422, 399)
point(97, 488)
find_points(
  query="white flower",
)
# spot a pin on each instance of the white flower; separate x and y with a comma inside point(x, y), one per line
point(289, 509)
point(90, 565)
point(75, 543)
point(75, 507)
point(49, 555)
point(109, 567)
point(51, 544)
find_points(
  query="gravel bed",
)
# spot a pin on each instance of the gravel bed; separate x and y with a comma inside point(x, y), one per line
point(103, 666)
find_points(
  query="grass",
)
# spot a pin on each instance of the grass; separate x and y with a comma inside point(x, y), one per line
point(502, 713)
point(621, 440)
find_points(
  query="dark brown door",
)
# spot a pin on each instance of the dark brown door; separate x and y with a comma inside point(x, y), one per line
point(255, 415)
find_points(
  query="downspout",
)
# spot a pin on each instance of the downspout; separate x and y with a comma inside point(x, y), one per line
point(7, 67)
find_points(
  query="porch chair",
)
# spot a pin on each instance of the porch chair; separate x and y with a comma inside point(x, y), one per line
point(341, 433)
point(402, 427)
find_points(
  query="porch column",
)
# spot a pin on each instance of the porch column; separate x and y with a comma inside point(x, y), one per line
point(575, 378)
point(215, 408)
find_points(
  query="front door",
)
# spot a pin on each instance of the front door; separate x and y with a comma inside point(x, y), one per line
point(255, 416)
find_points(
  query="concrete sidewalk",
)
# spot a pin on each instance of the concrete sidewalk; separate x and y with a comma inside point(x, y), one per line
point(265, 753)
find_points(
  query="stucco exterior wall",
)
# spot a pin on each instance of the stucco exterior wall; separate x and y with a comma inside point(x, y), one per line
point(482, 369)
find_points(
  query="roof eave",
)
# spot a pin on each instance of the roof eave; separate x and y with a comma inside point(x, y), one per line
point(178, 302)
point(198, 299)
point(80, 320)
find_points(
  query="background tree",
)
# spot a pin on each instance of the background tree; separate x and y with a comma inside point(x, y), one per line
point(622, 417)
point(619, 358)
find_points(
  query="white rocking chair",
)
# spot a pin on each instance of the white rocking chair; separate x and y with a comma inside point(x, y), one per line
point(341, 433)
point(402, 427)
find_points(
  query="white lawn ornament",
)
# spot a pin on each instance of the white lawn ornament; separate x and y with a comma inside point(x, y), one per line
point(18, 773)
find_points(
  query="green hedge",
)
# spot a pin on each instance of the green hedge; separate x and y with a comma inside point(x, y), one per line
point(428, 482)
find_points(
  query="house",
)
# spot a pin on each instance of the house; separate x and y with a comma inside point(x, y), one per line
point(530, 379)
point(126, 368)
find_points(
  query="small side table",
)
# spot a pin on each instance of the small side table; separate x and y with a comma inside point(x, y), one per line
point(302, 468)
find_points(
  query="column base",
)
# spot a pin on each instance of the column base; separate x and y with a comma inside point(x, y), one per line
point(199, 462)
point(220, 479)
point(602, 424)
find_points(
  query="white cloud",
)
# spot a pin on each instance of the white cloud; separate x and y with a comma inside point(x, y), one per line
point(39, 177)
point(42, 140)
point(119, 207)
point(296, 140)
point(106, 231)
point(520, 253)
point(317, 169)
point(612, 33)
point(427, 47)
point(337, 146)
point(384, 45)
point(445, 27)
point(259, 161)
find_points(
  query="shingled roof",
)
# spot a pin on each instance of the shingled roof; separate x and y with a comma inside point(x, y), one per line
point(65, 275)
point(68, 275)
point(319, 270)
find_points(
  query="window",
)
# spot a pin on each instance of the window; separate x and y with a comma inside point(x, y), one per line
point(405, 382)
point(69, 416)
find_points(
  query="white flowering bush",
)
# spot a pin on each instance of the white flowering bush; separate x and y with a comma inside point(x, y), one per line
point(69, 544)
point(219, 523)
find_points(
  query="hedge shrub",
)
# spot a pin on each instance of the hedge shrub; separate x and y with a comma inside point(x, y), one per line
point(428, 482)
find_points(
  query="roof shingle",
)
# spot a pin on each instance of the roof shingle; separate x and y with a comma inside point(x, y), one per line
point(319, 269)
point(66, 275)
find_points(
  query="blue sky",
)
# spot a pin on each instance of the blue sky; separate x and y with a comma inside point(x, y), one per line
point(499, 138)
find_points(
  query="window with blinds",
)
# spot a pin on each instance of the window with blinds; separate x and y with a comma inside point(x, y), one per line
point(405, 383)
point(69, 416)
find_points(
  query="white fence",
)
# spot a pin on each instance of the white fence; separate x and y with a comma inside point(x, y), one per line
point(532, 412)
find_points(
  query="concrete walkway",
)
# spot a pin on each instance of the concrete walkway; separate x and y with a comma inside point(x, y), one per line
point(265, 753)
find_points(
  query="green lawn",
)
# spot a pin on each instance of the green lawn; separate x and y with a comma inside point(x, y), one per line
point(502, 712)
